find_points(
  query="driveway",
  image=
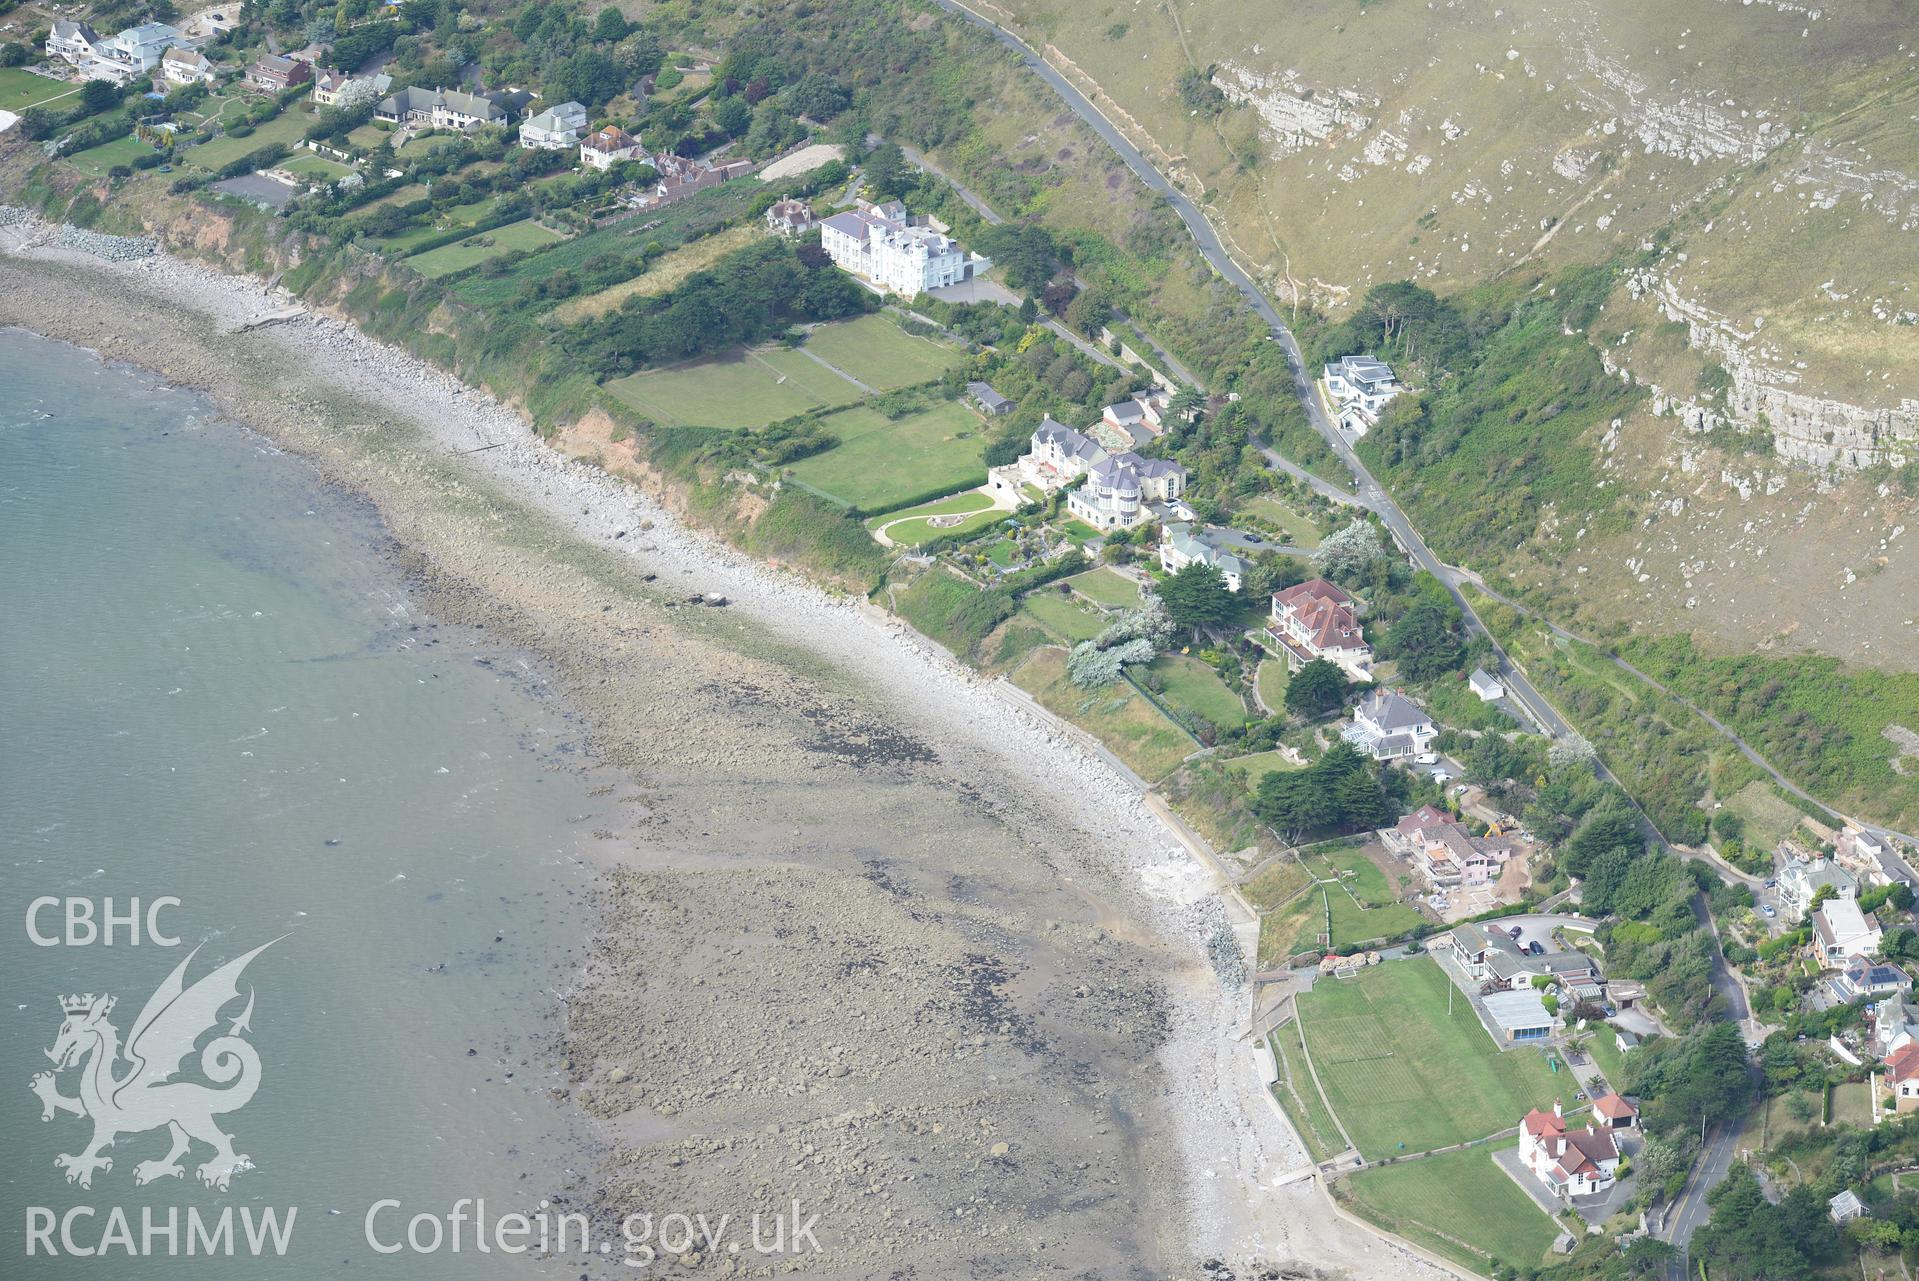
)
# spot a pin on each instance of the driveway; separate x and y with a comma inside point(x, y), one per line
point(977, 289)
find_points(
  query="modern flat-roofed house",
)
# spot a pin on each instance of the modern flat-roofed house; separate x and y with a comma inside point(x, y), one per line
point(1840, 931)
point(1390, 727)
point(1182, 543)
point(1802, 878)
point(608, 147)
point(1519, 1015)
point(277, 74)
point(1359, 387)
point(183, 66)
point(335, 88)
point(1570, 1161)
point(881, 246)
point(1315, 619)
point(558, 128)
point(71, 42)
point(140, 47)
point(794, 218)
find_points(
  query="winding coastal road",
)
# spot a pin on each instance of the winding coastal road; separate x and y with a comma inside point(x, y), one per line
point(1370, 493)
point(1716, 1159)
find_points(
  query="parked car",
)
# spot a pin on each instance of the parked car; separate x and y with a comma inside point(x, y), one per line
point(1427, 758)
point(1770, 884)
point(1611, 1013)
point(1536, 948)
point(1441, 776)
point(1769, 910)
point(1516, 930)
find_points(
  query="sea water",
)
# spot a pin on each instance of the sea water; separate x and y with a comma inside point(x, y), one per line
point(217, 695)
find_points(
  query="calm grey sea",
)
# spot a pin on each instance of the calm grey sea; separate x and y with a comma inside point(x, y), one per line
point(214, 689)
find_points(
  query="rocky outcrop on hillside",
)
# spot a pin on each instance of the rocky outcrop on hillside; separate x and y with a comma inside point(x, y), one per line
point(1819, 431)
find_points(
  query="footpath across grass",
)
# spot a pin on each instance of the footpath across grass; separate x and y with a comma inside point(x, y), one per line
point(21, 89)
point(1458, 1204)
point(879, 353)
point(1406, 1076)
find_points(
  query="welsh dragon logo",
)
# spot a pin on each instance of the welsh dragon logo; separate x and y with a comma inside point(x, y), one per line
point(146, 1097)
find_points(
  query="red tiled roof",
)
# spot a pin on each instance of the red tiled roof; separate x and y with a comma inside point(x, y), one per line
point(1613, 1107)
point(1904, 1063)
point(1324, 611)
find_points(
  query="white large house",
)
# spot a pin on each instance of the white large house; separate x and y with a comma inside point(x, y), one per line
point(1315, 619)
point(608, 147)
point(882, 246)
point(1802, 878)
point(1121, 489)
point(71, 42)
point(1358, 388)
point(131, 53)
point(183, 66)
point(1569, 1161)
point(1390, 727)
point(441, 109)
point(558, 128)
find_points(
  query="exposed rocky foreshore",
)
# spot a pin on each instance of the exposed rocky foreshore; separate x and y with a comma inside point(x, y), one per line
point(875, 939)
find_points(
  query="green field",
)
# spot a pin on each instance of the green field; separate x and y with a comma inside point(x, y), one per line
point(1406, 1077)
point(1067, 619)
point(1278, 883)
point(879, 353)
point(914, 525)
point(1458, 1204)
point(1299, 1098)
point(1106, 587)
point(20, 89)
point(1272, 680)
point(734, 390)
point(879, 461)
point(478, 248)
point(1195, 689)
point(95, 161)
point(287, 127)
point(1606, 1053)
point(1130, 727)
point(807, 375)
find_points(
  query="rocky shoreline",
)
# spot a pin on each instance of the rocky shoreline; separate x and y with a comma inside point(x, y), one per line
point(876, 939)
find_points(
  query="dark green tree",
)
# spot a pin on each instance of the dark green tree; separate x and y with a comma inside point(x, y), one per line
point(1316, 688)
point(1197, 597)
point(99, 95)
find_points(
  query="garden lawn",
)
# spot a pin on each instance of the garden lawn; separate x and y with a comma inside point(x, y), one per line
point(1195, 689)
point(1605, 1051)
point(369, 136)
point(308, 165)
point(1299, 531)
point(95, 161)
point(879, 463)
point(1458, 1204)
point(879, 353)
point(732, 390)
point(1257, 766)
point(21, 89)
point(478, 248)
point(914, 526)
point(1399, 1070)
point(1272, 680)
point(1066, 618)
point(1131, 728)
point(1106, 587)
point(1299, 1097)
point(288, 127)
